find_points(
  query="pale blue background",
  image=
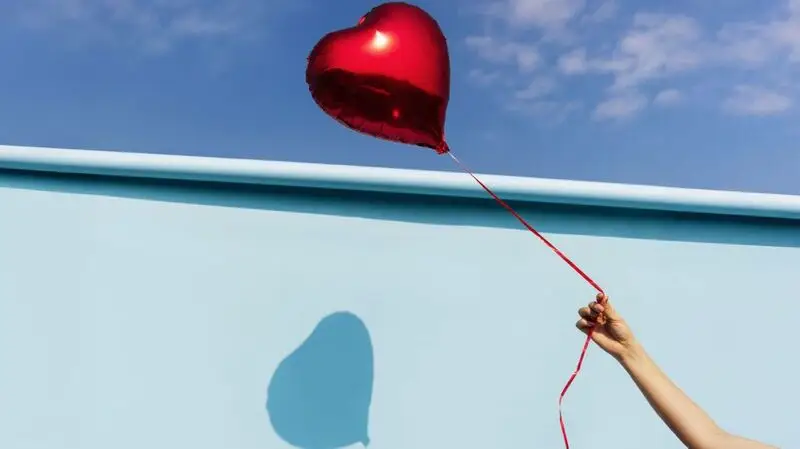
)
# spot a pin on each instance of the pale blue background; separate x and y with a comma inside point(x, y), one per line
point(153, 316)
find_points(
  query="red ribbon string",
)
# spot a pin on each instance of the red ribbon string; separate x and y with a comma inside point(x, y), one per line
point(565, 259)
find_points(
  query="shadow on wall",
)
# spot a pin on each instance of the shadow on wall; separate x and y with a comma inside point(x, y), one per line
point(320, 394)
point(560, 218)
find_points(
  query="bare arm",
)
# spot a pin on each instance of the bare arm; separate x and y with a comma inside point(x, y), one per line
point(685, 418)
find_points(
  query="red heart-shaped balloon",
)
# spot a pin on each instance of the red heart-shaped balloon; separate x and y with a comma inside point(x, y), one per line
point(389, 76)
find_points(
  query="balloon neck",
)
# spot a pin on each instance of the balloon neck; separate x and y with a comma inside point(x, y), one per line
point(442, 148)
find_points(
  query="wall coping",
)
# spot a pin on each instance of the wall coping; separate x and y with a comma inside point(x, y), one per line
point(389, 180)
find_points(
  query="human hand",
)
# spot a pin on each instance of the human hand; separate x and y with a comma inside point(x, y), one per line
point(611, 332)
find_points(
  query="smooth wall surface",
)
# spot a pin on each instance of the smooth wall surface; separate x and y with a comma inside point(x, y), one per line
point(208, 316)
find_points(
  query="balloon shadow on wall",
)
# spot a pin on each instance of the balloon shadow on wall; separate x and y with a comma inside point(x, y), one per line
point(320, 394)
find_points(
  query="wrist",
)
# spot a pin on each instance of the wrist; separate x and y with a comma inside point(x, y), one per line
point(633, 354)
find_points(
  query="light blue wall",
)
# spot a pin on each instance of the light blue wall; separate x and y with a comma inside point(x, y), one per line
point(152, 314)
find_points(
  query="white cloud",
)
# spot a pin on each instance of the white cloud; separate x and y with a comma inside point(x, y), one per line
point(656, 46)
point(483, 77)
point(621, 106)
point(745, 43)
point(525, 57)
point(539, 87)
point(547, 14)
point(755, 100)
point(668, 97)
point(652, 50)
point(153, 25)
point(606, 11)
point(548, 111)
point(544, 13)
point(574, 62)
point(756, 43)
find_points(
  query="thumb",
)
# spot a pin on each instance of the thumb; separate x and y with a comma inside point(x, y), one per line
point(609, 312)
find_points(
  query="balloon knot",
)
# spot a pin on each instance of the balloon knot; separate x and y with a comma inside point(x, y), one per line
point(442, 148)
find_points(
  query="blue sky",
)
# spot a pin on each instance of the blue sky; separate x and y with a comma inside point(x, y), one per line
point(685, 93)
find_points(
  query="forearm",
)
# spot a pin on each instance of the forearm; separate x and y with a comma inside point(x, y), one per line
point(685, 418)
